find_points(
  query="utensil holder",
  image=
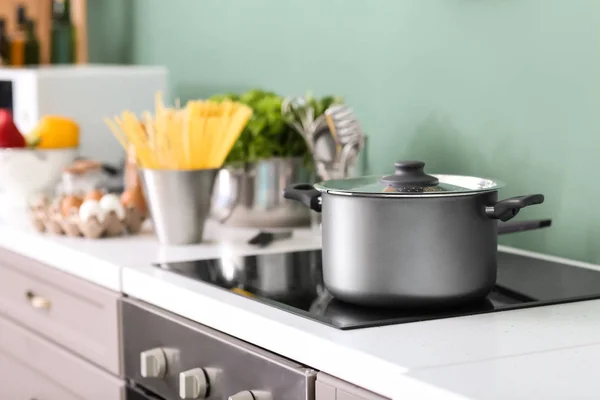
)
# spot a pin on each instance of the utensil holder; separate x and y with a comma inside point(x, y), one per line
point(179, 203)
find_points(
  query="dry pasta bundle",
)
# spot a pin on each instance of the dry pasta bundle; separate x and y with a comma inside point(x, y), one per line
point(198, 136)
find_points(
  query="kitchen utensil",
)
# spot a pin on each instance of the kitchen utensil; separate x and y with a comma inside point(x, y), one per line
point(343, 124)
point(179, 202)
point(336, 145)
point(325, 147)
point(301, 117)
point(249, 195)
point(521, 226)
point(264, 239)
point(24, 173)
point(296, 106)
point(334, 138)
point(410, 238)
point(349, 135)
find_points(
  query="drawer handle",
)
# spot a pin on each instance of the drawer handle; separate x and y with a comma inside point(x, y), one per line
point(38, 302)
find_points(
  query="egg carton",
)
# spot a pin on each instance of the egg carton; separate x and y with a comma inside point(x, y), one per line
point(88, 219)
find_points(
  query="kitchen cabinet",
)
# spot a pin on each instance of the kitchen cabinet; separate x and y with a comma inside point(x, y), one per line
point(328, 387)
point(70, 311)
point(37, 368)
point(20, 381)
point(59, 335)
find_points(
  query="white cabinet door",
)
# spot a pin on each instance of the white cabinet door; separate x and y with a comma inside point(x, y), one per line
point(33, 368)
point(19, 382)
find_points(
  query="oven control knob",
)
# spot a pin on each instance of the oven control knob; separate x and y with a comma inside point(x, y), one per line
point(193, 384)
point(153, 363)
point(252, 395)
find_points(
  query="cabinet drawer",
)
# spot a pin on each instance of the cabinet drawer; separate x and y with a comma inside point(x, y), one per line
point(19, 382)
point(72, 312)
point(34, 368)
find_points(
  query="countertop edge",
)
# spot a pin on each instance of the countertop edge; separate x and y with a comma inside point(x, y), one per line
point(62, 257)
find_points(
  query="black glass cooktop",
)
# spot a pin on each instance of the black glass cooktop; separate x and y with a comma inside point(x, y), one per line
point(293, 282)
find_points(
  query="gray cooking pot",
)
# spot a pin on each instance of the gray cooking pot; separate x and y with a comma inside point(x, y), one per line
point(409, 239)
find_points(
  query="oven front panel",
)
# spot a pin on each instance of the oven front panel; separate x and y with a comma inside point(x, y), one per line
point(132, 393)
point(231, 365)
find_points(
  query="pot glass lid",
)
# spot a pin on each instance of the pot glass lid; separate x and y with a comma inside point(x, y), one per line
point(410, 179)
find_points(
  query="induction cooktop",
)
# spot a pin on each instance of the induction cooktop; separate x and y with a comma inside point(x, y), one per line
point(293, 282)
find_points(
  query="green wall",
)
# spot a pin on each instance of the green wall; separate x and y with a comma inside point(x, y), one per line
point(502, 88)
point(109, 31)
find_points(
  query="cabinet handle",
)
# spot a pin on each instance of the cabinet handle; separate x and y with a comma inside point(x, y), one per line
point(38, 302)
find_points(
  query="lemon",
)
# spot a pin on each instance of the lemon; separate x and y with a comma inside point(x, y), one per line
point(54, 132)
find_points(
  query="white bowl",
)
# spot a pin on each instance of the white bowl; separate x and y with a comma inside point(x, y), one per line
point(28, 172)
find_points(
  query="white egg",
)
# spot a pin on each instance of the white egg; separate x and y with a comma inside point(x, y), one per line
point(91, 208)
point(111, 202)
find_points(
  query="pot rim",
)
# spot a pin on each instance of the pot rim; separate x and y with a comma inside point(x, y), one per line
point(494, 186)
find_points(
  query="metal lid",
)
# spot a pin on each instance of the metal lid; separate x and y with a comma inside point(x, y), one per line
point(409, 180)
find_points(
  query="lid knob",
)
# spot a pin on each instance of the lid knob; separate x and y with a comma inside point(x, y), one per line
point(409, 174)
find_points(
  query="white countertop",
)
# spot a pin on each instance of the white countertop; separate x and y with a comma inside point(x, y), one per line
point(102, 261)
point(541, 352)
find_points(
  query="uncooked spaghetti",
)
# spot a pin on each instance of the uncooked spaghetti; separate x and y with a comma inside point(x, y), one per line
point(198, 136)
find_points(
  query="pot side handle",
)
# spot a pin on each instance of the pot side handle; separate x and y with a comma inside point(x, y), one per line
point(505, 210)
point(305, 193)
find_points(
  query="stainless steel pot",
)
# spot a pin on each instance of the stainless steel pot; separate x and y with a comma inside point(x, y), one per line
point(249, 194)
point(409, 239)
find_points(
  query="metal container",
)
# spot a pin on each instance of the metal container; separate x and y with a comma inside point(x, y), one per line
point(179, 203)
point(249, 194)
point(409, 239)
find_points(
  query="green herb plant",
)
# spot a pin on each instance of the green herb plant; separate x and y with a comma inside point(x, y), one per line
point(267, 134)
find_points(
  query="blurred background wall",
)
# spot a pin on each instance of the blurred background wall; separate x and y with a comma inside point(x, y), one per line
point(506, 89)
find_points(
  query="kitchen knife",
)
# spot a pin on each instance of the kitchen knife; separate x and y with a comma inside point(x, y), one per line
point(263, 239)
